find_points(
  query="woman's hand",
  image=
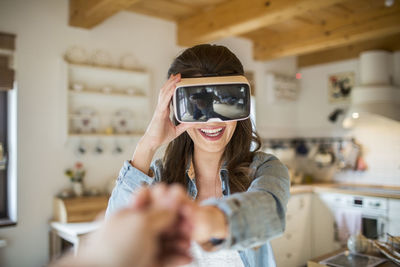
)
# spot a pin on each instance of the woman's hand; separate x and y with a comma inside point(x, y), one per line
point(161, 130)
point(208, 222)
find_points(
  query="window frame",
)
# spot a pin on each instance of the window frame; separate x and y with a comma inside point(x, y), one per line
point(6, 217)
point(8, 130)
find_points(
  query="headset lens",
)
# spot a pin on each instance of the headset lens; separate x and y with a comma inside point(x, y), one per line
point(220, 102)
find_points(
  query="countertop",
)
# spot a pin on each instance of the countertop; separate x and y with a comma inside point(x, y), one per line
point(353, 189)
point(315, 262)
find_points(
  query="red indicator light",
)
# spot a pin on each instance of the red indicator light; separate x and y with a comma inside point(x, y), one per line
point(298, 76)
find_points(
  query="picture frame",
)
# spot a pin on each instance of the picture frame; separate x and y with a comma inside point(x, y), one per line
point(340, 86)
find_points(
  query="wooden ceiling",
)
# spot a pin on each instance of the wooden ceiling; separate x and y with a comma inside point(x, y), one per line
point(317, 31)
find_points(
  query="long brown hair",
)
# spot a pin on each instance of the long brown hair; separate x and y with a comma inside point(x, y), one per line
point(205, 60)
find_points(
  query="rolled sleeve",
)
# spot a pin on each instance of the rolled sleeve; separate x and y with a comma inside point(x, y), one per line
point(257, 215)
point(129, 180)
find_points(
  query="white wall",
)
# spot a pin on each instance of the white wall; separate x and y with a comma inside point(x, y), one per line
point(313, 107)
point(381, 151)
point(308, 117)
point(380, 140)
point(43, 36)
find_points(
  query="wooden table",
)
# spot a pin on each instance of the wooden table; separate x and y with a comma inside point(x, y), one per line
point(315, 262)
point(71, 232)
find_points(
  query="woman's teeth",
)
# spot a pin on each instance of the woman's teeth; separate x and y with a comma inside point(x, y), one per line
point(212, 132)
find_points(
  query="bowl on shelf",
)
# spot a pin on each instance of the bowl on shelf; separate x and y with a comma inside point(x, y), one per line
point(107, 89)
point(123, 122)
point(77, 87)
point(85, 121)
point(128, 61)
point(130, 91)
point(76, 54)
point(101, 58)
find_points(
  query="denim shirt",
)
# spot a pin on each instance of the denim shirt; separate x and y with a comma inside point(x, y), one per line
point(254, 216)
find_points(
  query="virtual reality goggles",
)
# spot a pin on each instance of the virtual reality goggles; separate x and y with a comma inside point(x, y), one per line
point(209, 99)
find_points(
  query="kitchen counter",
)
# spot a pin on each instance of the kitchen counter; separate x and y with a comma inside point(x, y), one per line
point(353, 189)
point(315, 262)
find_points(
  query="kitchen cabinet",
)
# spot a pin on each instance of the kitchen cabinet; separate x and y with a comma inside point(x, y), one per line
point(394, 217)
point(293, 248)
point(323, 225)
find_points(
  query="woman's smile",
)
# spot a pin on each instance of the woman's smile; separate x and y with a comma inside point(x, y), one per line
point(212, 133)
point(212, 137)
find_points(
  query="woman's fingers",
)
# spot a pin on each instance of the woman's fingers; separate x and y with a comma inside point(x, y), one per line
point(176, 258)
point(141, 199)
point(160, 220)
point(178, 242)
point(167, 91)
point(172, 79)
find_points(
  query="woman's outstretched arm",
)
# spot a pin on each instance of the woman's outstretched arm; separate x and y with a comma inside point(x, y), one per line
point(257, 215)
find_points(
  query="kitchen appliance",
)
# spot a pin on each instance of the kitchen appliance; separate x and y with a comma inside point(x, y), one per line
point(376, 97)
point(374, 212)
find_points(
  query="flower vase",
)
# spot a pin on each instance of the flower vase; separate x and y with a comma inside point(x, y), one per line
point(77, 188)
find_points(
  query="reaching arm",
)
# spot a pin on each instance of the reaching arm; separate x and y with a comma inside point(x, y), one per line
point(257, 215)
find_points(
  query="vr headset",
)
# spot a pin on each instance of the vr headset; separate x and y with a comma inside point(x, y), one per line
point(209, 99)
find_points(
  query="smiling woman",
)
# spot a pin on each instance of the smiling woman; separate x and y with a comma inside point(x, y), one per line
point(243, 192)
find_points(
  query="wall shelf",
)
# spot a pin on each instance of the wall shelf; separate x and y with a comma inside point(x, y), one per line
point(106, 68)
point(100, 100)
point(127, 135)
point(107, 94)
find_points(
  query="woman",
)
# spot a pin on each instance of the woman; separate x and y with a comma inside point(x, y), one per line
point(243, 192)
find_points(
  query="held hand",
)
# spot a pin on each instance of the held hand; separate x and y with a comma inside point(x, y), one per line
point(208, 222)
point(151, 232)
point(161, 130)
point(167, 241)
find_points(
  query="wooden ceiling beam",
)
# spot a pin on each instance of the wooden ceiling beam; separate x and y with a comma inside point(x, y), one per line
point(306, 28)
point(164, 9)
point(390, 43)
point(239, 17)
point(302, 44)
point(89, 13)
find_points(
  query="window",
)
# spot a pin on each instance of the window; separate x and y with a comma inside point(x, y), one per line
point(3, 153)
point(8, 174)
point(7, 132)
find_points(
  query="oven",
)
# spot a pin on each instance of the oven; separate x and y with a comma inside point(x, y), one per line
point(374, 219)
point(373, 210)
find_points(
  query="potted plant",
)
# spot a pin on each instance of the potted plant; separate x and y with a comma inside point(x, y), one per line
point(76, 175)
